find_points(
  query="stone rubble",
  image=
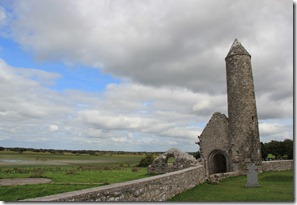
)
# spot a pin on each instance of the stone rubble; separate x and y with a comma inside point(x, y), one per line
point(182, 160)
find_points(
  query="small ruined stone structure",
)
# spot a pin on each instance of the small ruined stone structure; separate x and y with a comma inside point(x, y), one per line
point(228, 144)
point(181, 161)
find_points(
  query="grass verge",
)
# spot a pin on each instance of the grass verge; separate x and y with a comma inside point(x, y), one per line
point(274, 187)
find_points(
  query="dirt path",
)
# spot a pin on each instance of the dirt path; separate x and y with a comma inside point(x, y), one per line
point(23, 181)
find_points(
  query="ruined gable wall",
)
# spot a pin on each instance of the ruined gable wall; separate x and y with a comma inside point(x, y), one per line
point(214, 135)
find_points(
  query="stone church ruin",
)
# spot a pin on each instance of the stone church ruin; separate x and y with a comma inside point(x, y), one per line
point(230, 143)
point(227, 144)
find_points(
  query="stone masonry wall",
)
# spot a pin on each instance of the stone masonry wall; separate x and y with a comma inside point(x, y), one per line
point(156, 188)
point(214, 140)
point(214, 136)
point(277, 165)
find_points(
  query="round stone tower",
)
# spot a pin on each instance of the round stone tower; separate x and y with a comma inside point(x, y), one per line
point(242, 112)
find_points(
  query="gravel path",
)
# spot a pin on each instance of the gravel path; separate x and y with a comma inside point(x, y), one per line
point(23, 181)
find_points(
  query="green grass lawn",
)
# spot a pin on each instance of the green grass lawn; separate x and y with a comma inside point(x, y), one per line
point(274, 187)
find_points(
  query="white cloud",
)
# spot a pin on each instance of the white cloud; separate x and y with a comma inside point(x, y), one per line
point(3, 17)
point(53, 128)
point(137, 116)
point(169, 56)
point(269, 108)
point(114, 121)
point(27, 107)
point(24, 97)
point(128, 112)
point(201, 105)
point(159, 42)
point(266, 128)
point(121, 140)
point(275, 131)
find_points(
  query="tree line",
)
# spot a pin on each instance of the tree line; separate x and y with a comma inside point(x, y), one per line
point(63, 151)
point(277, 149)
point(270, 150)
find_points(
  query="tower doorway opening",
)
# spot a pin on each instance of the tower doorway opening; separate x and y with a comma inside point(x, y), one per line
point(217, 162)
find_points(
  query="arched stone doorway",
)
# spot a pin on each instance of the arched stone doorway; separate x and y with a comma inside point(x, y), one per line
point(217, 162)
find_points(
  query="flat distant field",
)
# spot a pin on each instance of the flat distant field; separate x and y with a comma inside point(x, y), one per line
point(67, 172)
point(10, 158)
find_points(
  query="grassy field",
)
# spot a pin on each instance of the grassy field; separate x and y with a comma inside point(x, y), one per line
point(11, 158)
point(68, 172)
point(274, 187)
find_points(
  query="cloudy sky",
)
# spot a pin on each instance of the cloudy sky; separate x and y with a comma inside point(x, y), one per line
point(136, 75)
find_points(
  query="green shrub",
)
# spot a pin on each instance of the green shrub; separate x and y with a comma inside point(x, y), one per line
point(146, 161)
point(134, 169)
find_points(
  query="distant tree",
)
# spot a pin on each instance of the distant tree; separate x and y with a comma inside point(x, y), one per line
point(146, 161)
point(264, 152)
point(289, 148)
point(52, 151)
point(270, 157)
point(280, 149)
point(275, 148)
point(197, 155)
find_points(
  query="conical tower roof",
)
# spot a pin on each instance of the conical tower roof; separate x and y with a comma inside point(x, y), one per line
point(237, 49)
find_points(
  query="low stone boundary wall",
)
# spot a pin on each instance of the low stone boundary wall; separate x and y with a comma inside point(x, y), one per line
point(277, 165)
point(156, 188)
point(215, 178)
